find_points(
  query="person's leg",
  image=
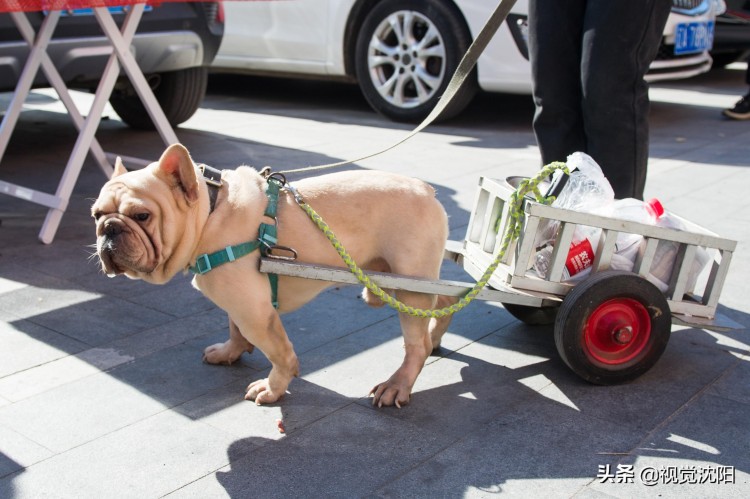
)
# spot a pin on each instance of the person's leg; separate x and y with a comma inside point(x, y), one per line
point(741, 109)
point(554, 49)
point(621, 39)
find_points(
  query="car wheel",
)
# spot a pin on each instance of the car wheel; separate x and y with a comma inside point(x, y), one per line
point(405, 55)
point(179, 94)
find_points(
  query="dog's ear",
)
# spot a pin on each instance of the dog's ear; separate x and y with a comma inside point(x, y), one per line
point(177, 168)
point(119, 168)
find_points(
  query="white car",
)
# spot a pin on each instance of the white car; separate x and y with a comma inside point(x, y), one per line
point(402, 53)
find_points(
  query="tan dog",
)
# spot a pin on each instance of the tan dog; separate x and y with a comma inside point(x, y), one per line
point(153, 223)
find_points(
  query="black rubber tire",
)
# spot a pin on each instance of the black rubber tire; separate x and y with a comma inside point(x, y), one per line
point(532, 316)
point(724, 59)
point(179, 93)
point(592, 352)
point(456, 39)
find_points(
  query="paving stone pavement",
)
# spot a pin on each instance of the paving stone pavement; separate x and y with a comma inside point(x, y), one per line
point(103, 392)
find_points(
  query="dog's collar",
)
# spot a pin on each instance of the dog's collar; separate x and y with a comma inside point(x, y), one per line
point(214, 183)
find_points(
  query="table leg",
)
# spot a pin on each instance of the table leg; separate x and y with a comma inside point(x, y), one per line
point(121, 45)
point(119, 40)
point(36, 54)
point(54, 79)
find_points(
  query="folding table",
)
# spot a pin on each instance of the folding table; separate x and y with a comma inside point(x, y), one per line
point(86, 142)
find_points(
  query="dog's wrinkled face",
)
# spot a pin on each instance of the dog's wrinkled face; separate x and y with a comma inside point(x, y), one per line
point(145, 219)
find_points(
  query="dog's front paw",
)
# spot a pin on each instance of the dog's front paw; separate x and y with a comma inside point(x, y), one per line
point(261, 392)
point(391, 392)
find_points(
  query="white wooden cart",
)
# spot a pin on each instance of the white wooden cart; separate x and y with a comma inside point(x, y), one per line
point(610, 327)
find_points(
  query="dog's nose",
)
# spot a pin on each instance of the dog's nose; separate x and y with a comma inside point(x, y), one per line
point(112, 229)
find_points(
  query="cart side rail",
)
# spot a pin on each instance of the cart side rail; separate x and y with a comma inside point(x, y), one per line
point(489, 217)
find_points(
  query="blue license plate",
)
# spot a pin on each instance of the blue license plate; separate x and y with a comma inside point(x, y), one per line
point(90, 12)
point(691, 38)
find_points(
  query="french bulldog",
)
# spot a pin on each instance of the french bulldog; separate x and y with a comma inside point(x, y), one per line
point(153, 223)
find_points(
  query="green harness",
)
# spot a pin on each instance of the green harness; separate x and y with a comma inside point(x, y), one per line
point(266, 241)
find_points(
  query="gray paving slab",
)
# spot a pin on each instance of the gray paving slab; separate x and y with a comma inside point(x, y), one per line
point(524, 451)
point(103, 391)
point(698, 460)
point(78, 412)
point(25, 452)
point(147, 459)
point(348, 454)
point(226, 409)
point(26, 345)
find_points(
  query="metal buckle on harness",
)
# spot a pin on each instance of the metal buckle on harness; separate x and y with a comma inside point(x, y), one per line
point(278, 177)
point(203, 264)
point(292, 253)
point(297, 196)
point(267, 233)
point(267, 174)
point(213, 177)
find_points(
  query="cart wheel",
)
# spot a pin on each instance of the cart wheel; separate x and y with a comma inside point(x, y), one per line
point(612, 327)
point(533, 316)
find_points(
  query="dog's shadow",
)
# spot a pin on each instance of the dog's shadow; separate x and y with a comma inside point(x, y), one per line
point(341, 446)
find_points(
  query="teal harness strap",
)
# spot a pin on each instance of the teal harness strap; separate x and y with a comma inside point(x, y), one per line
point(267, 239)
point(268, 233)
point(205, 262)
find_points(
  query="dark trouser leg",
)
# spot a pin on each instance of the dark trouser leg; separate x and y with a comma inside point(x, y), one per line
point(620, 40)
point(555, 31)
point(588, 59)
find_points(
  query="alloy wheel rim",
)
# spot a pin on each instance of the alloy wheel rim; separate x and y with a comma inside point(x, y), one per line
point(406, 59)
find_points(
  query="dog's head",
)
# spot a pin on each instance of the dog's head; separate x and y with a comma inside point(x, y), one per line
point(148, 222)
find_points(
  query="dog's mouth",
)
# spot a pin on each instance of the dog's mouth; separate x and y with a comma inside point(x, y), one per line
point(122, 250)
point(107, 260)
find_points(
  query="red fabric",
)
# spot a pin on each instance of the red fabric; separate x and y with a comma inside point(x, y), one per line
point(36, 5)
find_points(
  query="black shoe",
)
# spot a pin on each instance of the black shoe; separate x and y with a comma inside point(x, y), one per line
point(740, 111)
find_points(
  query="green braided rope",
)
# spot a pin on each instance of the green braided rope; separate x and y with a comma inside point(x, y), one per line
point(512, 231)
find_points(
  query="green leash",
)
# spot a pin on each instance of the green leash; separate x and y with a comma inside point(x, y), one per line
point(512, 231)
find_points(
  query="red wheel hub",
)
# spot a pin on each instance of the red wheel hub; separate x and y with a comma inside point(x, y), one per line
point(617, 331)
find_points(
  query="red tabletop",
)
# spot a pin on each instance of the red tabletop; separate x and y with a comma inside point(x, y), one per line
point(37, 5)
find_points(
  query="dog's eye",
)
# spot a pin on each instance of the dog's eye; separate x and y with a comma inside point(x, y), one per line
point(97, 215)
point(141, 217)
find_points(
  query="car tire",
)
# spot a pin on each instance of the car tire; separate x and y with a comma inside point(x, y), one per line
point(403, 72)
point(179, 94)
point(724, 59)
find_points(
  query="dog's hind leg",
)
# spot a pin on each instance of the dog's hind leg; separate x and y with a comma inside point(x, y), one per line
point(369, 297)
point(231, 350)
point(417, 347)
point(377, 265)
point(438, 327)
